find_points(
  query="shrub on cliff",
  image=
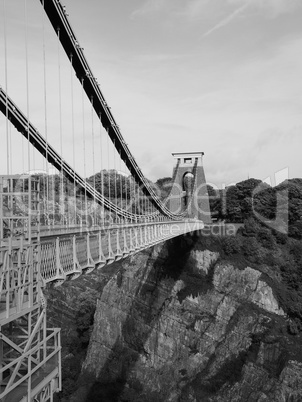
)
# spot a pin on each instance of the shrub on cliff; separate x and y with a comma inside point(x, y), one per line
point(295, 250)
point(231, 245)
point(281, 238)
point(85, 315)
point(77, 342)
point(294, 326)
point(251, 227)
point(71, 369)
point(265, 238)
point(251, 247)
point(295, 229)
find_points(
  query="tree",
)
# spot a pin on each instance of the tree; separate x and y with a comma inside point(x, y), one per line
point(163, 187)
point(231, 245)
point(233, 207)
point(216, 200)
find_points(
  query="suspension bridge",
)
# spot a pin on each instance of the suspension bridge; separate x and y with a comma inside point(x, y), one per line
point(72, 196)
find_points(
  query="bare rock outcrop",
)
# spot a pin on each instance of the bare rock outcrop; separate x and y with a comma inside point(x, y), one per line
point(177, 323)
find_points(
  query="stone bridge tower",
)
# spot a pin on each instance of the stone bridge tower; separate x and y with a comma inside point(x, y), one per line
point(189, 189)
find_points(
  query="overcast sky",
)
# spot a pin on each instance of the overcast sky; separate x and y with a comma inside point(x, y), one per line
point(219, 76)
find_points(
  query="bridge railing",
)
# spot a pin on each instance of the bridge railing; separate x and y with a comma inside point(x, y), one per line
point(70, 255)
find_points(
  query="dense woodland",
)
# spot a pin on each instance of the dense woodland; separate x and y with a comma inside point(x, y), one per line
point(255, 198)
point(58, 194)
point(110, 183)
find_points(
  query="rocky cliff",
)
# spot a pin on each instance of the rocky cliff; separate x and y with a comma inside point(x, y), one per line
point(180, 323)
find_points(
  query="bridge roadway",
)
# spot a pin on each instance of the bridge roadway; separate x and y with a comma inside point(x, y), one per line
point(68, 253)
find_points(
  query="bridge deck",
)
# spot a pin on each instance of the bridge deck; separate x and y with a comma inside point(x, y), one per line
point(71, 253)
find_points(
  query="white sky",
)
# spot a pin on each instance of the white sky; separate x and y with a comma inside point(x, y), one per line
point(219, 76)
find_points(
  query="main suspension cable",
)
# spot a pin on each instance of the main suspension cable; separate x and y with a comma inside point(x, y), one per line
point(27, 83)
point(6, 88)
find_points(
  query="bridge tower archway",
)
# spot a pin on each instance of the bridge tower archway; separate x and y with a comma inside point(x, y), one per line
point(189, 190)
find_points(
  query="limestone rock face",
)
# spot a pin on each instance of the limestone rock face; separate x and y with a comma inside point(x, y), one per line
point(202, 259)
point(178, 324)
point(246, 285)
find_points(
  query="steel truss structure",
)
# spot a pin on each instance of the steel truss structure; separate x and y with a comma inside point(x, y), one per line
point(30, 353)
